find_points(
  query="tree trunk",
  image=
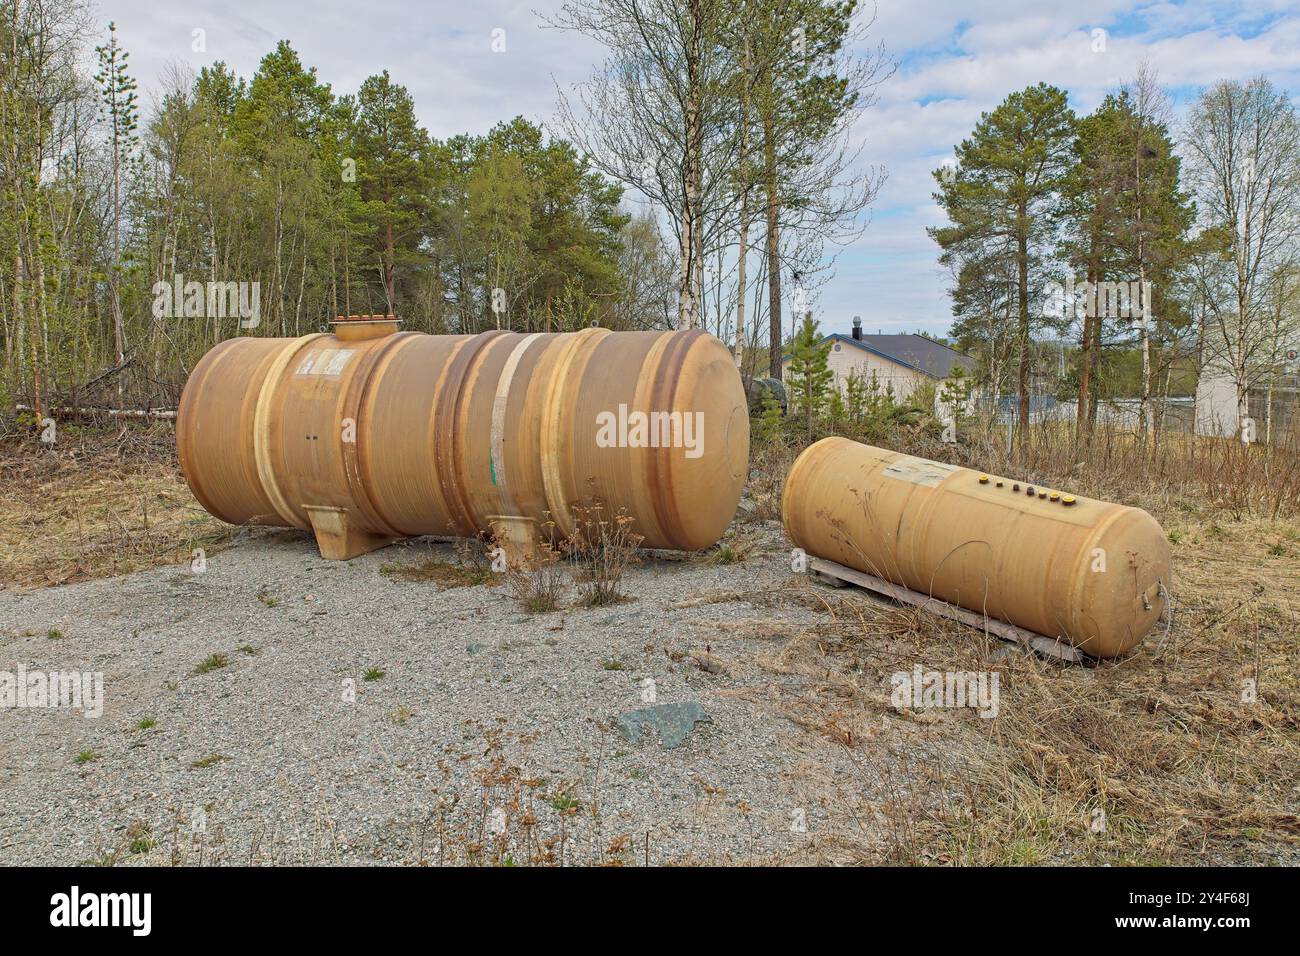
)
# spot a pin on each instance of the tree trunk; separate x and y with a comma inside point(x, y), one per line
point(1096, 363)
point(741, 279)
point(390, 268)
point(742, 253)
point(1022, 292)
point(119, 324)
point(1144, 403)
point(1086, 358)
point(686, 270)
point(773, 252)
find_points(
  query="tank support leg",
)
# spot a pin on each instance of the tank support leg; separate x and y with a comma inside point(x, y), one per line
point(337, 538)
point(517, 538)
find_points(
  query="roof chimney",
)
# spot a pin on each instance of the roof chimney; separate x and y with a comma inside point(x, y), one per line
point(857, 327)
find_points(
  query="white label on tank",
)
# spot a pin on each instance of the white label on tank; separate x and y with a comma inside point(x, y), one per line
point(918, 471)
point(325, 362)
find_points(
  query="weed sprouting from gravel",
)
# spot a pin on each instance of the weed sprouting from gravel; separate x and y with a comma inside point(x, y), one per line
point(211, 663)
point(600, 550)
point(564, 803)
point(538, 588)
point(146, 723)
point(372, 674)
point(732, 549)
point(86, 756)
point(140, 839)
point(209, 761)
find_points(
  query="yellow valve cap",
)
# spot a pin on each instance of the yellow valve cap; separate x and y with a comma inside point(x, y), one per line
point(1054, 495)
point(984, 479)
point(1068, 500)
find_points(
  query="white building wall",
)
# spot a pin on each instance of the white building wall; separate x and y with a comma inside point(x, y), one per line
point(845, 358)
point(1217, 413)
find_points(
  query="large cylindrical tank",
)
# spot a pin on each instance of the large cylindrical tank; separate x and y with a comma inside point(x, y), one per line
point(370, 434)
point(1092, 572)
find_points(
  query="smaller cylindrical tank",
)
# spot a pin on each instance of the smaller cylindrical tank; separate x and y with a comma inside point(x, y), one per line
point(1091, 572)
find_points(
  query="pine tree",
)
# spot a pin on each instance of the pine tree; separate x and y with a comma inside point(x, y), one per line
point(954, 396)
point(855, 399)
point(392, 175)
point(1131, 221)
point(804, 83)
point(770, 425)
point(809, 373)
point(1005, 202)
point(121, 112)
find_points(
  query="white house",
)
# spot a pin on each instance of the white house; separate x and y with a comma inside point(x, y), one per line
point(903, 362)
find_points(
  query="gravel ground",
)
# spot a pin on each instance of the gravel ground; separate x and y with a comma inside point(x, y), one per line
point(490, 734)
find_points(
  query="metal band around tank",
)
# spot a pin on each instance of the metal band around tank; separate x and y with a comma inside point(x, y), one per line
point(449, 439)
point(555, 410)
point(498, 434)
point(262, 429)
point(353, 401)
point(668, 365)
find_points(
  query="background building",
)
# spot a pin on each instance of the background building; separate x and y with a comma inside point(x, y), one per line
point(902, 362)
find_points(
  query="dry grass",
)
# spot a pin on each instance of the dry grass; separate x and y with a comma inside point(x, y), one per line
point(445, 574)
point(1152, 759)
point(1164, 750)
point(98, 504)
point(768, 466)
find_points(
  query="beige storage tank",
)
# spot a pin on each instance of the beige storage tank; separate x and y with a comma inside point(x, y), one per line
point(372, 434)
point(1092, 572)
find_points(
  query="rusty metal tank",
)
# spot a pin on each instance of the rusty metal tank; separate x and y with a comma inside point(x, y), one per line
point(371, 434)
point(1091, 572)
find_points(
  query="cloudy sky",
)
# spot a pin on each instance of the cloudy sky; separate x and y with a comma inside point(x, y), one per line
point(955, 59)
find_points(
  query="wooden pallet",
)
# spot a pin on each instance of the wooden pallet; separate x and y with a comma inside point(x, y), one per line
point(837, 575)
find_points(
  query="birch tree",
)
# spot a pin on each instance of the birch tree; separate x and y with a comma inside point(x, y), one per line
point(656, 115)
point(1243, 159)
